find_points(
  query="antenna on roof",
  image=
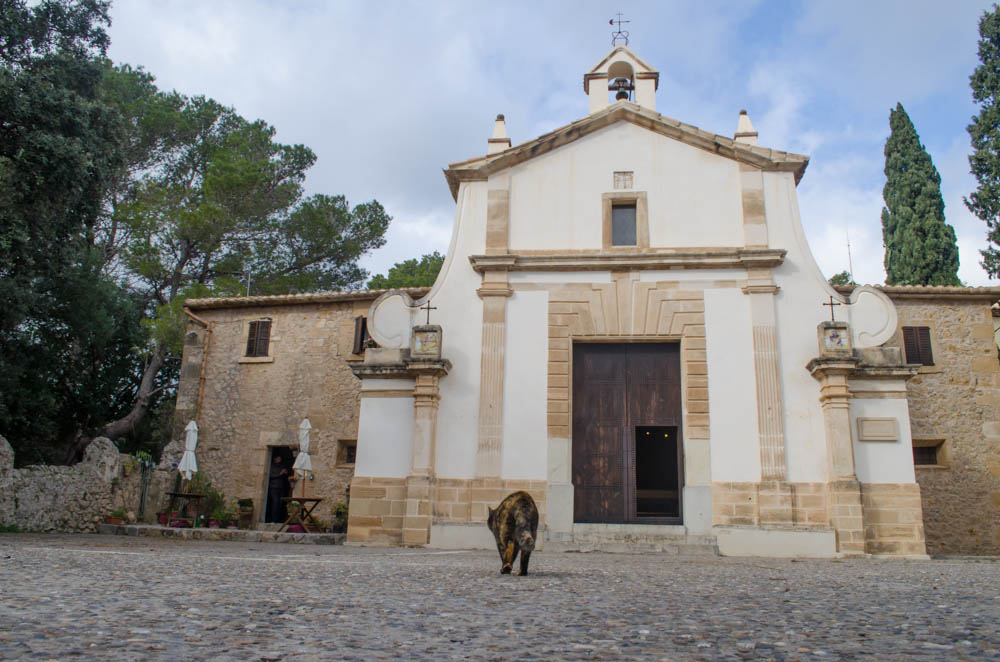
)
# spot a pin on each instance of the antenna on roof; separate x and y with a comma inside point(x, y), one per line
point(619, 34)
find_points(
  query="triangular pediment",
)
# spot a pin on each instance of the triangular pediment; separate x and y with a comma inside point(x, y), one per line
point(480, 168)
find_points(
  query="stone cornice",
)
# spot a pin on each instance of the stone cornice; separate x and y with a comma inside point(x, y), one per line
point(480, 168)
point(709, 258)
point(408, 368)
point(903, 292)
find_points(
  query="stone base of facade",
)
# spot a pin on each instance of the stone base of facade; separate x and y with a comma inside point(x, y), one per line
point(405, 510)
point(894, 520)
point(865, 518)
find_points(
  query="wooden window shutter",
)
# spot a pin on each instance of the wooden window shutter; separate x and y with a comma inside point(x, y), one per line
point(917, 343)
point(360, 334)
point(258, 338)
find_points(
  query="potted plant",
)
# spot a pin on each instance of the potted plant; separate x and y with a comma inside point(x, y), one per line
point(217, 517)
point(245, 507)
point(162, 518)
point(339, 511)
point(116, 516)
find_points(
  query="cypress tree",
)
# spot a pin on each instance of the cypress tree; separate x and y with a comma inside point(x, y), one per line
point(985, 134)
point(920, 248)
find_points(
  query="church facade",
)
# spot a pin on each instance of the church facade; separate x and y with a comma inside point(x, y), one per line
point(630, 326)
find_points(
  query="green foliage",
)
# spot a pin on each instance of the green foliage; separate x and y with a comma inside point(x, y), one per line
point(9, 528)
point(984, 133)
point(843, 278)
point(920, 248)
point(410, 273)
point(213, 499)
point(119, 512)
point(117, 202)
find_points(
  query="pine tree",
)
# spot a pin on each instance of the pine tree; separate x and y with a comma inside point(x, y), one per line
point(985, 134)
point(920, 248)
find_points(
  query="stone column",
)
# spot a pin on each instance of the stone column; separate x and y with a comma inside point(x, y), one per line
point(832, 369)
point(426, 397)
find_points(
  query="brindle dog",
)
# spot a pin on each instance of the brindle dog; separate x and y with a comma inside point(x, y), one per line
point(514, 524)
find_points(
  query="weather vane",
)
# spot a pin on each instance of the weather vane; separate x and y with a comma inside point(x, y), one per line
point(619, 34)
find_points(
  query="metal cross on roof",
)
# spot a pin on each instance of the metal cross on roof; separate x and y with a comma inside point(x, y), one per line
point(832, 304)
point(619, 34)
point(428, 307)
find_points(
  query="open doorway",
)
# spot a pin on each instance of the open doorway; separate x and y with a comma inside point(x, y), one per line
point(657, 489)
point(279, 467)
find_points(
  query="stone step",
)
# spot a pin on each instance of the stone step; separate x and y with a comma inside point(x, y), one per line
point(633, 539)
point(239, 535)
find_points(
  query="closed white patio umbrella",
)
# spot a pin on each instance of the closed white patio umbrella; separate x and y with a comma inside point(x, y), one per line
point(189, 464)
point(303, 463)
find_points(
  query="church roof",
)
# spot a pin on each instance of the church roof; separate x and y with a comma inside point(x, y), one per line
point(480, 168)
point(296, 299)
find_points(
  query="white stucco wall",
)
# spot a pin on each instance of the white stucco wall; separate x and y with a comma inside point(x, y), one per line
point(385, 437)
point(883, 461)
point(732, 401)
point(693, 196)
point(525, 437)
point(460, 314)
point(798, 311)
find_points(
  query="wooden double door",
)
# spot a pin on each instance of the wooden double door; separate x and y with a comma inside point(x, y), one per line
point(627, 448)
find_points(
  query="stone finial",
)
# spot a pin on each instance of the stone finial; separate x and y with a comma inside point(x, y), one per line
point(499, 142)
point(745, 133)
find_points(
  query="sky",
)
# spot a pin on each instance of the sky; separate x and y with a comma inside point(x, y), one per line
point(388, 94)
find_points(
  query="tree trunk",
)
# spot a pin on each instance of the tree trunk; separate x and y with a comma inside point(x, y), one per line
point(127, 423)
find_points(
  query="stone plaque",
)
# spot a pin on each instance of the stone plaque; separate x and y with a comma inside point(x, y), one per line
point(426, 342)
point(878, 429)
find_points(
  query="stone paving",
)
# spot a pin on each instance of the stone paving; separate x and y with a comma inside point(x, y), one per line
point(88, 597)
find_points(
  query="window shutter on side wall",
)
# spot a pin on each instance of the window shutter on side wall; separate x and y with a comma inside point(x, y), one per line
point(917, 343)
point(360, 334)
point(258, 338)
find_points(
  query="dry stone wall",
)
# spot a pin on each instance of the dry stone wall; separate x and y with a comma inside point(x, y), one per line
point(60, 498)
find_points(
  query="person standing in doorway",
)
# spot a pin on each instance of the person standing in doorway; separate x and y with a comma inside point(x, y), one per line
point(277, 489)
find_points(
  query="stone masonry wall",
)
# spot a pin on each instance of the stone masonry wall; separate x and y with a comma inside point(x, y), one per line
point(66, 498)
point(957, 400)
point(249, 405)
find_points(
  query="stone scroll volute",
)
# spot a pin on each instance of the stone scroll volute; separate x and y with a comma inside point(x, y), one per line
point(872, 316)
point(390, 319)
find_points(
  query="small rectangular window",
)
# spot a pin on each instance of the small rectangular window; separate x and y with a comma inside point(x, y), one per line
point(924, 455)
point(348, 451)
point(623, 225)
point(258, 338)
point(917, 344)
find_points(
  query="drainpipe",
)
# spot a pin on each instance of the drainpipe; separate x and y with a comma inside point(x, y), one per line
point(204, 359)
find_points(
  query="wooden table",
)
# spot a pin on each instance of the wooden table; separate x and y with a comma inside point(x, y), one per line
point(303, 516)
point(186, 500)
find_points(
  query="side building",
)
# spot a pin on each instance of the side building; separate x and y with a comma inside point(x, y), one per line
point(954, 403)
point(254, 368)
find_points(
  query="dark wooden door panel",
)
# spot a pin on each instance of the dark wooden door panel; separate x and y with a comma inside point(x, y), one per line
point(617, 387)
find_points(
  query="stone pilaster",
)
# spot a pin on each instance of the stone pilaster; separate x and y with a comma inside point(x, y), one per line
point(846, 516)
point(494, 293)
point(426, 398)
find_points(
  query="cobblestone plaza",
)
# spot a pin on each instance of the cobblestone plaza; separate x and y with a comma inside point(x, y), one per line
point(92, 597)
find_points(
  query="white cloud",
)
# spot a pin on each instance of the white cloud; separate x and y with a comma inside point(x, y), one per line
point(389, 94)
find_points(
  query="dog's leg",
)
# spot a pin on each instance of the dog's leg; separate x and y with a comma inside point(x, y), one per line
point(508, 558)
point(525, 555)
